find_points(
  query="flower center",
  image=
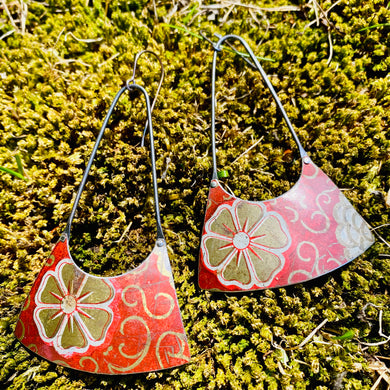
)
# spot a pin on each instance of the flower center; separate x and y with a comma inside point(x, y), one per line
point(241, 240)
point(68, 304)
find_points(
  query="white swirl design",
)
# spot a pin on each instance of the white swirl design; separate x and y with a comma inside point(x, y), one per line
point(352, 232)
point(320, 213)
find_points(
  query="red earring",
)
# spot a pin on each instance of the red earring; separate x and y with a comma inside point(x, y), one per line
point(307, 232)
point(125, 324)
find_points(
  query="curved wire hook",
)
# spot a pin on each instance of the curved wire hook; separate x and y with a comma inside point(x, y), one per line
point(131, 81)
point(214, 45)
point(217, 48)
point(160, 234)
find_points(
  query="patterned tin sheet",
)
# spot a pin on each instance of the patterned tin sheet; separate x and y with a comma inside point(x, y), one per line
point(125, 324)
point(307, 232)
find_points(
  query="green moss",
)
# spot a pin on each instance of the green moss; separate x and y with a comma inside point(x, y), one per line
point(57, 82)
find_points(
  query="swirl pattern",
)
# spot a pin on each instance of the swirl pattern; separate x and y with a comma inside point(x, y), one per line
point(314, 230)
point(126, 324)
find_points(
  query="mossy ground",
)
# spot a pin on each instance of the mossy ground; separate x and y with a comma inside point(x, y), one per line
point(59, 71)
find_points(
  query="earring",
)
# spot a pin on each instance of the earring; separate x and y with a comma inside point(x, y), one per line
point(124, 324)
point(307, 232)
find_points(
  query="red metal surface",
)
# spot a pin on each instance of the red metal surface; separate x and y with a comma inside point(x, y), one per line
point(309, 231)
point(125, 324)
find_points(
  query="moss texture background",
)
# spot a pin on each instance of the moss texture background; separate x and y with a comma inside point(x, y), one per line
point(60, 68)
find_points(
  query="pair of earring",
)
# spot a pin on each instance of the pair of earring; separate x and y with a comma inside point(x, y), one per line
point(131, 323)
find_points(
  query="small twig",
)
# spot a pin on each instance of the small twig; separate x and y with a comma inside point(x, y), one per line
point(227, 189)
point(380, 226)
point(375, 344)
point(170, 13)
point(155, 11)
point(324, 13)
point(249, 149)
point(324, 16)
point(315, 5)
point(69, 61)
point(301, 362)
point(8, 33)
point(330, 48)
point(286, 8)
point(87, 40)
point(124, 233)
point(11, 19)
point(59, 36)
point(23, 16)
point(164, 174)
point(227, 13)
point(308, 338)
point(109, 59)
point(381, 238)
point(333, 5)
point(383, 371)
point(380, 330)
point(382, 357)
point(376, 384)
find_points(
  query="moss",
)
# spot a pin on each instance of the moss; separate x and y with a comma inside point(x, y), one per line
point(57, 82)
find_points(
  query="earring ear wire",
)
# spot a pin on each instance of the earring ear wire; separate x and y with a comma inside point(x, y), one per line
point(132, 81)
point(242, 55)
point(214, 45)
point(217, 47)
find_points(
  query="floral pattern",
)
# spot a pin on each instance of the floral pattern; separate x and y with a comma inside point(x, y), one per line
point(72, 309)
point(352, 231)
point(244, 244)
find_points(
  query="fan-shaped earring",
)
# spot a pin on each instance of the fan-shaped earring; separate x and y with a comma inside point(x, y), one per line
point(124, 324)
point(307, 232)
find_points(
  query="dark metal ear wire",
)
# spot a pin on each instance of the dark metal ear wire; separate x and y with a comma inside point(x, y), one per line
point(213, 44)
point(131, 81)
point(90, 161)
point(129, 86)
point(217, 48)
point(242, 55)
point(160, 234)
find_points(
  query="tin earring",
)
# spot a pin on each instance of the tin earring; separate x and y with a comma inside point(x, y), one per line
point(124, 324)
point(307, 232)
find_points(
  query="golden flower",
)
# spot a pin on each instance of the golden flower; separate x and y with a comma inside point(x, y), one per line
point(72, 308)
point(244, 244)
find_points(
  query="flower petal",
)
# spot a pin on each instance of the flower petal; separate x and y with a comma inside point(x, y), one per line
point(50, 320)
point(218, 250)
point(68, 277)
point(237, 269)
point(95, 322)
point(248, 214)
point(52, 292)
point(264, 263)
point(72, 335)
point(223, 224)
point(94, 291)
point(269, 233)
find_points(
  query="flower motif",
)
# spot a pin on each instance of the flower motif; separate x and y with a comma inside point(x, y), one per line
point(352, 231)
point(244, 244)
point(72, 309)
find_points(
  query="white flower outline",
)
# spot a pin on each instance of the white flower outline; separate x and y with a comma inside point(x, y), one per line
point(74, 317)
point(246, 246)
